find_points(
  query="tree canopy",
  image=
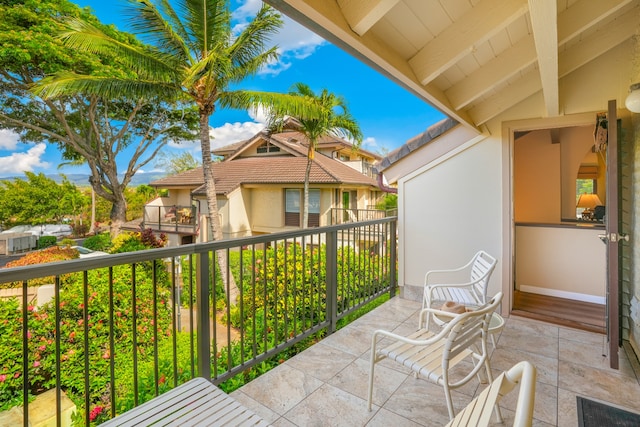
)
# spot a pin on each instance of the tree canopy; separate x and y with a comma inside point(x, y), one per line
point(38, 200)
point(193, 54)
point(89, 127)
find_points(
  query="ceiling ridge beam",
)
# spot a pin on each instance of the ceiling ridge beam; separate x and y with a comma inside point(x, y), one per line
point(510, 96)
point(598, 43)
point(475, 27)
point(544, 21)
point(585, 14)
point(363, 14)
point(495, 72)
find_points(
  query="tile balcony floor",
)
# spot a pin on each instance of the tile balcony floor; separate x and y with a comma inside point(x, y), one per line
point(326, 385)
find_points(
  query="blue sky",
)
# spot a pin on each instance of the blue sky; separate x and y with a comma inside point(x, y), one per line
point(387, 114)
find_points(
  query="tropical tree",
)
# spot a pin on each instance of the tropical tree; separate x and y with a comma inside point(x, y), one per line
point(38, 200)
point(336, 121)
point(194, 55)
point(174, 164)
point(94, 129)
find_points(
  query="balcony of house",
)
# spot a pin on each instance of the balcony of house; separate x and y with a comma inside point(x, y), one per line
point(344, 216)
point(103, 335)
point(174, 218)
point(107, 334)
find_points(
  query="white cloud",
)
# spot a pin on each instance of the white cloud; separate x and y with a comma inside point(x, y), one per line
point(18, 163)
point(229, 133)
point(8, 140)
point(294, 41)
point(370, 144)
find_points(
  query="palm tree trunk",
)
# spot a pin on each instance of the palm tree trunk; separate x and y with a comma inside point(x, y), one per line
point(307, 177)
point(212, 204)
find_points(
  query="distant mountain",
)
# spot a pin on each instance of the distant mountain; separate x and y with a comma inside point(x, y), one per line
point(82, 180)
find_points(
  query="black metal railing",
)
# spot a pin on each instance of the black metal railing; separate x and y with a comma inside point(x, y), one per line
point(121, 329)
point(344, 216)
point(176, 218)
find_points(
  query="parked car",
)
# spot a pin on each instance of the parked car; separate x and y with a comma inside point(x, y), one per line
point(88, 253)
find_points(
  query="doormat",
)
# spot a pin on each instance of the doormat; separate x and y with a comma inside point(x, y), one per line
point(596, 414)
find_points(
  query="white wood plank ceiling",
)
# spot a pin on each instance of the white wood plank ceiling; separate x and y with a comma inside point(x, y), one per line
point(473, 59)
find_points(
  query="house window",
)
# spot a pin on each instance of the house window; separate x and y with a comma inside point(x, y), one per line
point(293, 207)
point(314, 208)
point(268, 147)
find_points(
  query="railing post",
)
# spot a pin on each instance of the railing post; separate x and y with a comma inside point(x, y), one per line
point(393, 225)
point(202, 315)
point(332, 280)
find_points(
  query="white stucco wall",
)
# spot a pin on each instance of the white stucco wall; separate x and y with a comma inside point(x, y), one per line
point(450, 209)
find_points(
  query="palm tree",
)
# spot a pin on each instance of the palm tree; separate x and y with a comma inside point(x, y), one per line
point(192, 55)
point(336, 121)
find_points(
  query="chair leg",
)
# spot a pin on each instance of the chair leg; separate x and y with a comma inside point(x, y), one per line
point(447, 395)
point(371, 372)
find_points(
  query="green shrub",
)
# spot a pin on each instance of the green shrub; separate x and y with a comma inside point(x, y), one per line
point(67, 242)
point(74, 313)
point(99, 242)
point(47, 241)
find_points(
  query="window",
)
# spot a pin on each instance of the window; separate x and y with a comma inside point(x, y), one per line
point(267, 147)
point(314, 208)
point(293, 207)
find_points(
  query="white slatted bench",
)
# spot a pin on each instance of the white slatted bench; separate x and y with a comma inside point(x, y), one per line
point(194, 403)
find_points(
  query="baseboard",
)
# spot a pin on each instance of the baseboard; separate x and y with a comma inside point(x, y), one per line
point(563, 294)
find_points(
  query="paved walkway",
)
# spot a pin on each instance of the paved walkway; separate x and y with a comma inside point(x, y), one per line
point(326, 385)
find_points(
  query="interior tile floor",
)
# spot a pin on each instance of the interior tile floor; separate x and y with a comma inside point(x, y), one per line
point(326, 385)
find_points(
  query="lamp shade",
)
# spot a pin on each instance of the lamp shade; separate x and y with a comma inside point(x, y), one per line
point(588, 201)
point(633, 99)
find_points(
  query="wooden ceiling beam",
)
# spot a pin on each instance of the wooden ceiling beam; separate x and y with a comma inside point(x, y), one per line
point(493, 73)
point(363, 14)
point(585, 14)
point(510, 96)
point(544, 21)
point(599, 42)
point(475, 27)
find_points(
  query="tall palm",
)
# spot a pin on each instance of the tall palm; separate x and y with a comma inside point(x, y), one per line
point(193, 55)
point(336, 121)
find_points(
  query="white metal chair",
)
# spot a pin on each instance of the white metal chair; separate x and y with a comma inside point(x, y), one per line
point(478, 412)
point(432, 355)
point(439, 286)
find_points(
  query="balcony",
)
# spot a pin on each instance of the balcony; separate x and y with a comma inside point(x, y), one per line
point(127, 339)
point(117, 330)
point(174, 218)
point(345, 216)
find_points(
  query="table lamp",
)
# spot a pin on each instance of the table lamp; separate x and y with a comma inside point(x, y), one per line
point(588, 202)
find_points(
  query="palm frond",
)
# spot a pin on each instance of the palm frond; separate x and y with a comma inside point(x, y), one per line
point(143, 61)
point(251, 42)
point(249, 68)
point(147, 21)
point(67, 83)
point(210, 24)
point(212, 68)
point(276, 104)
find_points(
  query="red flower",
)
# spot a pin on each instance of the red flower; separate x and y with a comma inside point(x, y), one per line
point(95, 412)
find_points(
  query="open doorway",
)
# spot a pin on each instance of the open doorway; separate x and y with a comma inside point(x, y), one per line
point(559, 270)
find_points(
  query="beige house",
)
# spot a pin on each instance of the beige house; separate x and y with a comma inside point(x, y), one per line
point(530, 88)
point(260, 188)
